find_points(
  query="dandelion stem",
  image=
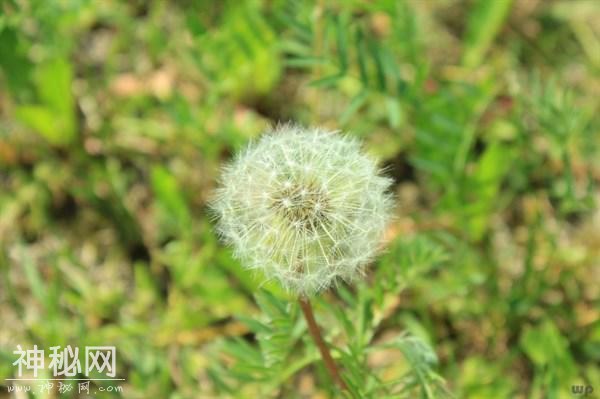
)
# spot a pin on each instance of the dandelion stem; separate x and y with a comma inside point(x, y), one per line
point(315, 332)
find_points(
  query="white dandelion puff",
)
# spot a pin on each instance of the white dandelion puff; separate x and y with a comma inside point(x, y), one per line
point(305, 206)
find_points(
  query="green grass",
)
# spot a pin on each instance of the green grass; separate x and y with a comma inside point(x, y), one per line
point(116, 116)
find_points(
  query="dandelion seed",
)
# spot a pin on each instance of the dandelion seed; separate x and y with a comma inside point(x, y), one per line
point(312, 207)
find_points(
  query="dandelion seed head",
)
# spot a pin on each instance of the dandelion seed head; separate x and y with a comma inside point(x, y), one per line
point(305, 206)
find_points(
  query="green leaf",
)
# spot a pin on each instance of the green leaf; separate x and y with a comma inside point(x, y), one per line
point(485, 21)
point(546, 347)
point(376, 56)
point(35, 280)
point(394, 111)
point(409, 258)
point(355, 104)
point(305, 62)
point(53, 80)
point(446, 126)
point(548, 350)
point(422, 360)
point(43, 121)
point(327, 81)
point(54, 117)
point(484, 185)
point(342, 44)
point(170, 198)
point(13, 61)
point(361, 55)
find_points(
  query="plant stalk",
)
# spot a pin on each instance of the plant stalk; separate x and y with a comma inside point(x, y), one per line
point(315, 332)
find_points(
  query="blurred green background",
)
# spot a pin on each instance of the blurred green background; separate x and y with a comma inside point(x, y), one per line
point(115, 117)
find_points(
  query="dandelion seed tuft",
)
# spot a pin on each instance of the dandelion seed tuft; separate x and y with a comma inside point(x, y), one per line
point(305, 206)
